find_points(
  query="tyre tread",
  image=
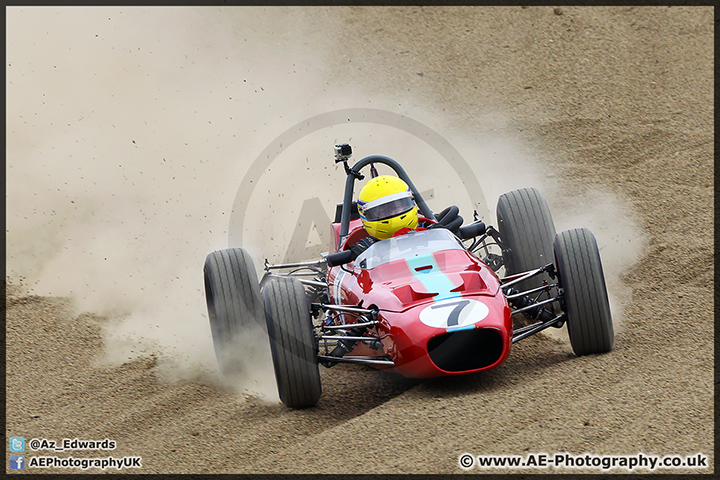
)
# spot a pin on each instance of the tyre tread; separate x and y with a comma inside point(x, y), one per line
point(234, 303)
point(527, 228)
point(580, 268)
point(292, 343)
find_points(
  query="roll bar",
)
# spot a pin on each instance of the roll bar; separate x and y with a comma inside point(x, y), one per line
point(354, 174)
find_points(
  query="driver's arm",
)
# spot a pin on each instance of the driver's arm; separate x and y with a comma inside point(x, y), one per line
point(449, 219)
point(362, 245)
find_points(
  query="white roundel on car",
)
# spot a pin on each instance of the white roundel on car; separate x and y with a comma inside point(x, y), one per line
point(453, 313)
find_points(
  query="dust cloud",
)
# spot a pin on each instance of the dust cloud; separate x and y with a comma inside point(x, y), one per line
point(130, 129)
point(127, 129)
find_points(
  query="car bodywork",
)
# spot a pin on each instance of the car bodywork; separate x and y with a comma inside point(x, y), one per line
point(443, 299)
point(440, 310)
point(421, 304)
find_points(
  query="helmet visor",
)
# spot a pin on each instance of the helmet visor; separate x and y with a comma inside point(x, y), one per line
point(391, 206)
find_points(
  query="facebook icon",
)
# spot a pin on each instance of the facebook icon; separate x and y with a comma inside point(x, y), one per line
point(17, 462)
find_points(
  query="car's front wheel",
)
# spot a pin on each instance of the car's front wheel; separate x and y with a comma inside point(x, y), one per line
point(585, 298)
point(292, 342)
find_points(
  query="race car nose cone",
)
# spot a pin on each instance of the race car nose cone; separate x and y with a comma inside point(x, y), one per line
point(454, 313)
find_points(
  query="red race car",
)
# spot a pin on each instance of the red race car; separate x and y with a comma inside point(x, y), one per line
point(425, 303)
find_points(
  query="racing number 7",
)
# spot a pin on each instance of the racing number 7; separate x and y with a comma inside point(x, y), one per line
point(454, 317)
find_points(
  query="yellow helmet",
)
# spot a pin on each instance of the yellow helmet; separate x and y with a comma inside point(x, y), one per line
point(386, 205)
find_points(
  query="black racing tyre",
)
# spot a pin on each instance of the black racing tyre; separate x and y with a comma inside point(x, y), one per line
point(234, 305)
point(292, 342)
point(526, 227)
point(589, 321)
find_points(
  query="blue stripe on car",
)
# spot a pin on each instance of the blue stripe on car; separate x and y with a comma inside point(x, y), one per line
point(433, 279)
point(457, 329)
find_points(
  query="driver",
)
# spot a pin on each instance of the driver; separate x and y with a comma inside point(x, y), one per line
point(387, 208)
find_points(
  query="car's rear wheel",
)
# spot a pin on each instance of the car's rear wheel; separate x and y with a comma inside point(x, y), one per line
point(292, 342)
point(234, 306)
point(585, 298)
point(527, 229)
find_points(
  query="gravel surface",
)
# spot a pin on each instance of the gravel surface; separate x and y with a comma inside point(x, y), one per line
point(609, 109)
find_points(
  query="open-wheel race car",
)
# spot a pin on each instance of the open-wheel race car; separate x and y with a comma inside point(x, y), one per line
point(425, 303)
